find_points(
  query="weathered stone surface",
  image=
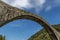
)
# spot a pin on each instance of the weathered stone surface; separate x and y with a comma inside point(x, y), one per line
point(9, 13)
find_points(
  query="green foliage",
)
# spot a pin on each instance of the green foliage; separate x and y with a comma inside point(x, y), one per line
point(43, 35)
point(2, 38)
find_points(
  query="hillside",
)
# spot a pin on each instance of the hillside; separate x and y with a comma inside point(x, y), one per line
point(43, 35)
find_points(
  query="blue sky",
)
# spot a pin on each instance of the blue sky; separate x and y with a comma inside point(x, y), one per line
point(22, 29)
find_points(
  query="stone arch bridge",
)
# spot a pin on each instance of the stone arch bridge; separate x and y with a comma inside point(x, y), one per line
point(9, 13)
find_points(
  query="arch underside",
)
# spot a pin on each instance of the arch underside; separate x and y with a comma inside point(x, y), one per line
point(36, 19)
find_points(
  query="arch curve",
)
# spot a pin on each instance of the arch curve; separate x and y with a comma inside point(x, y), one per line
point(8, 14)
point(35, 18)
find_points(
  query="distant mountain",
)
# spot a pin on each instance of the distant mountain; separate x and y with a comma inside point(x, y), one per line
point(43, 35)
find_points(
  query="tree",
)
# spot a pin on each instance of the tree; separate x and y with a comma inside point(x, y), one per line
point(2, 37)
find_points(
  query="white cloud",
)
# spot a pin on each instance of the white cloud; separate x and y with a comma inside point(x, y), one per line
point(41, 5)
point(56, 3)
point(22, 3)
point(18, 3)
point(38, 5)
point(42, 2)
point(48, 8)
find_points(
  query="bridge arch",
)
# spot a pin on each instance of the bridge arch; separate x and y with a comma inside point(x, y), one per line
point(8, 14)
point(35, 18)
